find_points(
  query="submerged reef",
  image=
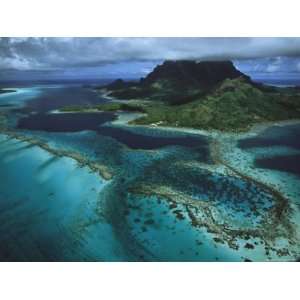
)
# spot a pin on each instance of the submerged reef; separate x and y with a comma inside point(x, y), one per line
point(103, 170)
point(231, 209)
point(143, 193)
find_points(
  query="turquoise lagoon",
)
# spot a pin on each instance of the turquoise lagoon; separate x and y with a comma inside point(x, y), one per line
point(49, 208)
point(167, 198)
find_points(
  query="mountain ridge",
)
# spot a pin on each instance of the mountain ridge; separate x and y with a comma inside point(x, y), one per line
point(205, 95)
point(176, 82)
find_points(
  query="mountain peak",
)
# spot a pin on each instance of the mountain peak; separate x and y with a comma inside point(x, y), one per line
point(191, 73)
point(178, 81)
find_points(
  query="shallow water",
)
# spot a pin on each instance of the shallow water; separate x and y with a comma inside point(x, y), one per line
point(48, 211)
point(166, 201)
point(20, 97)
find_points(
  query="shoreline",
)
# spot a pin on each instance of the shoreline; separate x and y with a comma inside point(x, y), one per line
point(125, 117)
point(104, 93)
point(253, 130)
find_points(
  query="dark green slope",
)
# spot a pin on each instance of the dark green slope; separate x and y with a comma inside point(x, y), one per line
point(207, 95)
point(176, 82)
point(234, 105)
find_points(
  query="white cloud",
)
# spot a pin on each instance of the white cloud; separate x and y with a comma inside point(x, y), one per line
point(272, 68)
point(274, 65)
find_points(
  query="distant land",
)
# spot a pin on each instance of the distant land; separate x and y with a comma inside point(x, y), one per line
point(3, 91)
point(202, 95)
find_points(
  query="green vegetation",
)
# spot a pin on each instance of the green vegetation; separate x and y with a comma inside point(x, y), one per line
point(74, 108)
point(234, 105)
point(162, 90)
point(176, 82)
point(204, 95)
point(111, 106)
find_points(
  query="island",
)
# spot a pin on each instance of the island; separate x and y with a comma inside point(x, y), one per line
point(171, 160)
point(200, 95)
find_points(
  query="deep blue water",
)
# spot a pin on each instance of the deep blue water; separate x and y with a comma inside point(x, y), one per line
point(68, 122)
point(276, 136)
point(140, 141)
point(72, 122)
point(286, 163)
point(54, 97)
point(59, 96)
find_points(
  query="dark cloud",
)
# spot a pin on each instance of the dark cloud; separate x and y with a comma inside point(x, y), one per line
point(54, 53)
point(55, 58)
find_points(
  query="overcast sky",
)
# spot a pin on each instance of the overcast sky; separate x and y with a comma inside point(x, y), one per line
point(55, 58)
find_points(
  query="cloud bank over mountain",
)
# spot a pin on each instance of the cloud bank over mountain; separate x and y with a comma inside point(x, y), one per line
point(70, 56)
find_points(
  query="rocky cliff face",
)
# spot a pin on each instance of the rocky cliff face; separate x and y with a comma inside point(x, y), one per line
point(177, 82)
point(192, 73)
point(185, 74)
